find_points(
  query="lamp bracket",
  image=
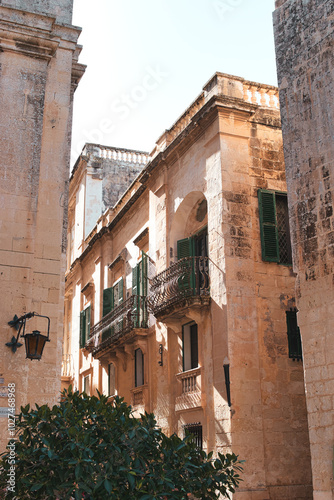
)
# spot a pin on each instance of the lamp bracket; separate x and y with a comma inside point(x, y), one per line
point(14, 344)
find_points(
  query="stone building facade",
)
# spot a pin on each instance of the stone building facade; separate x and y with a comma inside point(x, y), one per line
point(39, 72)
point(181, 298)
point(304, 38)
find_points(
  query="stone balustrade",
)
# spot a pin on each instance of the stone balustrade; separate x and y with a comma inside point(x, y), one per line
point(261, 95)
point(119, 154)
point(223, 85)
point(67, 368)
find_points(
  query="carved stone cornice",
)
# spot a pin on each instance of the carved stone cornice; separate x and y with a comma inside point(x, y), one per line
point(35, 35)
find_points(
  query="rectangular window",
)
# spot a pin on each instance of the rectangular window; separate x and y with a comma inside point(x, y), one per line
point(86, 385)
point(274, 227)
point(139, 368)
point(196, 270)
point(112, 297)
point(111, 379)
point(195, 430)
point(294, 339)
point(84, 326)
point(190, 346)
point(139, 290)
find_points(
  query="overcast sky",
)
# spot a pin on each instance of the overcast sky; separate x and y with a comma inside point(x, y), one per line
point(149, 59)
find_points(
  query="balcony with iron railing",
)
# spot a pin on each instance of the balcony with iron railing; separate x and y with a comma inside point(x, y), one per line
point(184, 283)
point(119, 325)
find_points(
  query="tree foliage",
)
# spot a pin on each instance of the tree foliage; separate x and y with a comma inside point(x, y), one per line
point(88, 448)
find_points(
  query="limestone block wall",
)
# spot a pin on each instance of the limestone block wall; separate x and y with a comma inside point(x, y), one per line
point(304, 38)
point(102, 175)
point(229, 147)
point(60, 9)
point(36, 91)
point(268, 421)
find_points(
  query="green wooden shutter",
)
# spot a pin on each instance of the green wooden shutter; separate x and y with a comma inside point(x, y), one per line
point(87, 332)
point(82, 329)
point(108, 301)
point(144, 289)
point(268, 226)
point(135, 292)
point(144, 274)
point(185, 248)
point(135, 280)
point(118, 295)
point(294, 339)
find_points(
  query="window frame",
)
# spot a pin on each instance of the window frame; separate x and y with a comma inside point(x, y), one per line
point(270, 248)
point(86, 378)
point(142, 378)
point(85, 325)
point(197, 435)
point(192, 358)
point(293, 334)
point(109, 379)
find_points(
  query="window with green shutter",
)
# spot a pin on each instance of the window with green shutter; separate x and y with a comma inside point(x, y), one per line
point(294, 338)
point(108, 301)
point(84, 326)
point(274, 227)
point(139, 290)
point(112, 297)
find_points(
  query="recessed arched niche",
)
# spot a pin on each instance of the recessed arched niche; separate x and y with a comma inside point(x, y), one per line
point(190, 218)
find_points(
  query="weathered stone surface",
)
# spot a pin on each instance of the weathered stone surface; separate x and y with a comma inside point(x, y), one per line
point(224, 148)
point(38, 59)
point(304, 37)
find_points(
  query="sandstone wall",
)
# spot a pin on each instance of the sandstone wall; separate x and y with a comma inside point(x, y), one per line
point(60, 9)
point(39, 70)
point(304, 39)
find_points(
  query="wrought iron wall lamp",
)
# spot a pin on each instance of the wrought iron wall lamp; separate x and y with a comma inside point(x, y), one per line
point(34, 341)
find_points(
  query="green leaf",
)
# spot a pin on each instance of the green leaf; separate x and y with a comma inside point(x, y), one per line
point(108, 485)
point(36, 487)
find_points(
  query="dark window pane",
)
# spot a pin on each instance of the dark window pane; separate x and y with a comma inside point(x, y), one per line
point(196, 431)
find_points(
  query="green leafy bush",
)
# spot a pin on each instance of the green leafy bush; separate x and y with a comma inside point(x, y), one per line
point(88, 448)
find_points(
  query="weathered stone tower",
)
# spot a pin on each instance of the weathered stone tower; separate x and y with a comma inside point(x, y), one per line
point(304, 36)
point(39, 72)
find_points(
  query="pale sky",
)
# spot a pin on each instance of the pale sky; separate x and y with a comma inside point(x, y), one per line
point(149, 59)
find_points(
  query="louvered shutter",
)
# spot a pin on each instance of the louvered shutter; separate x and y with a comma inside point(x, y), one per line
point(82, 329)
point(108, 301)
point(87, 332)
point(268, 226)
point(186, 282)
point(120, 291)
point(144, 289)
point(135, 290)
point(185, 248)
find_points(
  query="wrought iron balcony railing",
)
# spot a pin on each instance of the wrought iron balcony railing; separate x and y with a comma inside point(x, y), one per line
point(188, 277)
point(130, 314)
